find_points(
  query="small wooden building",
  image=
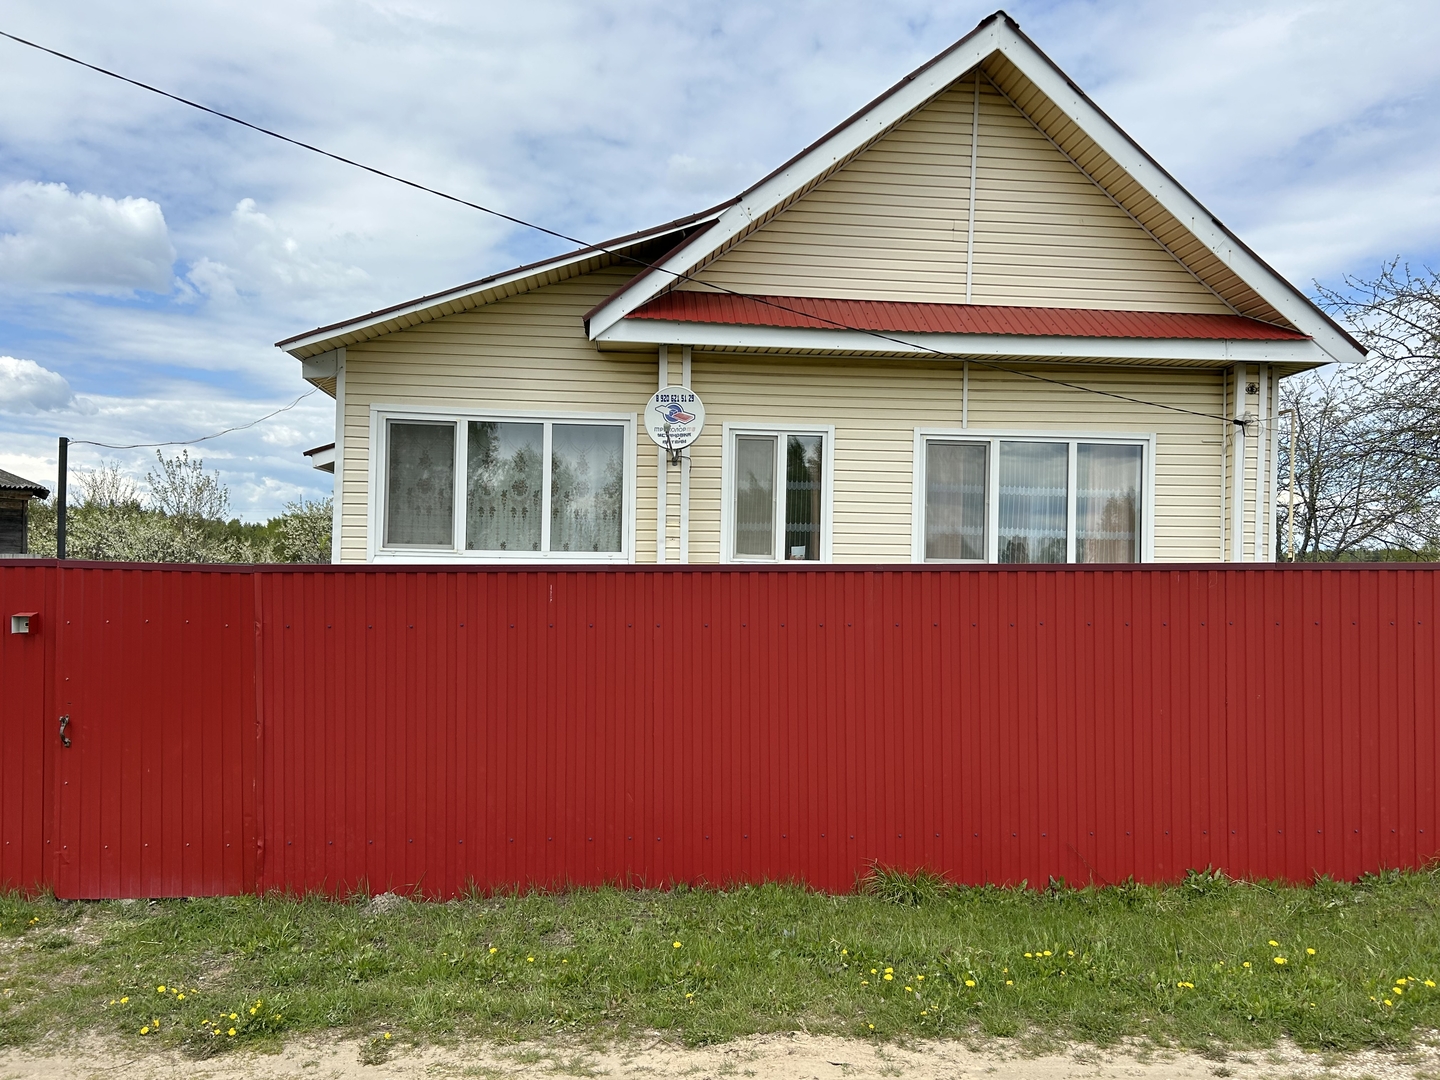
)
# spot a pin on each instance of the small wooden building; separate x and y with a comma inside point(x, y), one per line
point(974, 323)
point(15, 495)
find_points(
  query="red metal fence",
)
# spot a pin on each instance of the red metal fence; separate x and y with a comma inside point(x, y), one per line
point(239, 729)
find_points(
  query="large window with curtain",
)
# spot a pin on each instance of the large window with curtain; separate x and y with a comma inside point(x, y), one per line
point(503, 487)
point(777, 483)
point(1031, 499)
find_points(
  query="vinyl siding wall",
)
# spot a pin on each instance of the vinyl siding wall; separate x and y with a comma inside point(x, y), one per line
point(526, 352)
point(893, 224)
point(530, 352)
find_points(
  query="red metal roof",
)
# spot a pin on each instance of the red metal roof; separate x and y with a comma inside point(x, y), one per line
point(898, 317)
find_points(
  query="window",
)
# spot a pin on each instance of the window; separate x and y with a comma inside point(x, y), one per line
point(501, 488)
point(1030, 499)
point(777, 494)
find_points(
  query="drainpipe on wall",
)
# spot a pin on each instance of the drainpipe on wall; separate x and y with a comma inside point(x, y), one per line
point(661, 476)
point(1237, 494)
point(685, 351)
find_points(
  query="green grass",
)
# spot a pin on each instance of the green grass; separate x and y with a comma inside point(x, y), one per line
point(1094, 964)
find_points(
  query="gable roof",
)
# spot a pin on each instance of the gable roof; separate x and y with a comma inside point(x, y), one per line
point(1072, 123)
point(11, 483)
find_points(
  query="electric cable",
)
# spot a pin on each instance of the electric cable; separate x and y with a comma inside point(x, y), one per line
point(203, 438)
point(678, 275)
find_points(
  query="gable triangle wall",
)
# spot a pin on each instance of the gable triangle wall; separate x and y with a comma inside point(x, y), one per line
point(893, 224)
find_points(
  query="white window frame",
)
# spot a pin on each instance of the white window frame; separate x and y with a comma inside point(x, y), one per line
point(729, 431)
point(382, 414)
point(992, 438)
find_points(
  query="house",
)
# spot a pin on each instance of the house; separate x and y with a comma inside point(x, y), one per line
point(973, 323)
point(15, 495)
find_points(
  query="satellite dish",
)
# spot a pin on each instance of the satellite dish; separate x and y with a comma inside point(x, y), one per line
point(674, 418)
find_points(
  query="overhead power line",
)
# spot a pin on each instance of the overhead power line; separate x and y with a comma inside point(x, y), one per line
point(678, 275)
point(203, 438)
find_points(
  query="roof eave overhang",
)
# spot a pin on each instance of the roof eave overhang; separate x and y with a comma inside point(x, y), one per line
point(996, 34)
point(941, 347)
point(476, 293)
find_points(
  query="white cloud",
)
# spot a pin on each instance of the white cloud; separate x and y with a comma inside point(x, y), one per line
point(26, 387)
point(57, 238)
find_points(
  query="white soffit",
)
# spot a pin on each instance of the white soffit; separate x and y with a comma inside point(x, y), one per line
point(940, 347)
point(996, 34)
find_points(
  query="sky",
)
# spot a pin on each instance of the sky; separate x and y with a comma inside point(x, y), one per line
point(150, 255)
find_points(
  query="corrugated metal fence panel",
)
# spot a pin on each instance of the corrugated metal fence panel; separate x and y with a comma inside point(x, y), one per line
point(25, 723)
point(154, 796)
point(378, 728)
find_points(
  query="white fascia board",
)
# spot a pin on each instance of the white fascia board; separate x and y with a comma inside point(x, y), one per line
point(761, 200)
point(323, 459)
point(632, 332)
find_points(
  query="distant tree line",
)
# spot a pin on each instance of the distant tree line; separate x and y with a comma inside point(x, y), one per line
point(1367, 438)
point(183, 516)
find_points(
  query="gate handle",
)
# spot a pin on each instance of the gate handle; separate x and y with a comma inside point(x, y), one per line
point(64, 723)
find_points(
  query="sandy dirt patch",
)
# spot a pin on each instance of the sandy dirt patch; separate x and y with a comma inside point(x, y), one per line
point(783, 1057)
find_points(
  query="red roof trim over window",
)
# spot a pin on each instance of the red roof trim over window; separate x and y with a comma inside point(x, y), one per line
point(897, 317)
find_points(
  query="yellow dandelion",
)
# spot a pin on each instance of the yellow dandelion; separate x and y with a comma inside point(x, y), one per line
point(844, 952)
point(889, 970)
point(1401, 982)
point(970, 983)
point(1047, 952)
point(1430, 983)
point(145, 1030)
point(1274, 944)
point(1069, 952)
point(529, 959)
point(689, 995)
point(1397, 989)
point(864, 982)
point(231, 1033)
point(1246, 964)
point(1389, 1003)
point(564, 961)
point(159, 989)
point(675, 945)
point(276, 1017)
point(1004, 971)
point(180, 997)
point(889, 977)
point(233, 1016)
point(924, 1012)
point(1309, 952)
point(387, 1034)
point(1281, 960)
point(909, 989)
point(1027, 956)
point(874, 972)
point(1009, 982)
point(872, 1027)
point(493, 950)
point(919, 978)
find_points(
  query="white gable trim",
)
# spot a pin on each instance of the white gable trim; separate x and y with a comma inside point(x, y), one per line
point(995, 34)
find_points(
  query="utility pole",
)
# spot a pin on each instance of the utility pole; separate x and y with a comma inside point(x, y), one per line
point(60, 497)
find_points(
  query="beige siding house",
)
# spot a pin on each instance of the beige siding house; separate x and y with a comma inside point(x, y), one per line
point(974, 323)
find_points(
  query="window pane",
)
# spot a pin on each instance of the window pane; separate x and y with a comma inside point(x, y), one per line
point(755, 495)
point(1107, 503)
point(420, 491)
point(504, 486)
point(1032, 501)
point(803, 493)
point(587, 487)
point(955, 500)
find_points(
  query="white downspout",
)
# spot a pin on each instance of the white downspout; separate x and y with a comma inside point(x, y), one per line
point(661, 477)
point(685, 469)
point(1274, 464)
point(337, 497)
point(1263, 552)
point(1237, 494)
point(1225, 427)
